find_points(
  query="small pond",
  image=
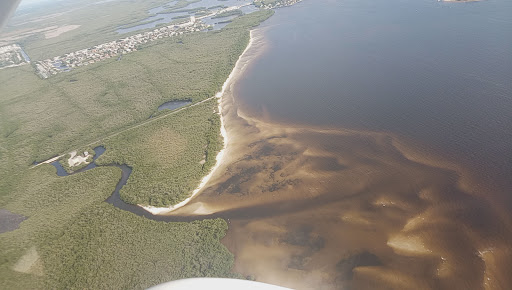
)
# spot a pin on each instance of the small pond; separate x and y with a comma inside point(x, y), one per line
point(173, 105)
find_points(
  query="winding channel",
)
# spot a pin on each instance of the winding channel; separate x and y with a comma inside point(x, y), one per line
point(115, 198)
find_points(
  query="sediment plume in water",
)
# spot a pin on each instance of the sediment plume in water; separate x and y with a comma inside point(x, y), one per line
point(317, 208)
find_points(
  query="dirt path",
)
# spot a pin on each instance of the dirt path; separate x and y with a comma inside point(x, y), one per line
point(127, 129)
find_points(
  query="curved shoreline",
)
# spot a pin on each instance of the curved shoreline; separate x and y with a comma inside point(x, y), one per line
point(220, 156)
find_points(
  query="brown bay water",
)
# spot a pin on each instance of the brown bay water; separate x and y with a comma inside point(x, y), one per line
point(381, 185)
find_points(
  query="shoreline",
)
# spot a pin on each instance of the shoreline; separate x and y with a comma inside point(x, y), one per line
point(220, 156)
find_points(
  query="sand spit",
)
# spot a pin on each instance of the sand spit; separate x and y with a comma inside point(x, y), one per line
point(220, 155)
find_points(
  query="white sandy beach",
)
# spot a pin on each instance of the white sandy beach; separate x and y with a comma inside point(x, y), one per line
point(220, 156)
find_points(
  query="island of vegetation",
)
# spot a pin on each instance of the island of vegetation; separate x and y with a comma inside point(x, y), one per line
point(68, 236)
point(228, 13)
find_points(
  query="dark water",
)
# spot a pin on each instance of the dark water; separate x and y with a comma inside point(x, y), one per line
point(370, 148)
point(439, 74)
point(173, 105)
point(114, 199)
point(157, 17)
point(312, 205)
point(322, 184)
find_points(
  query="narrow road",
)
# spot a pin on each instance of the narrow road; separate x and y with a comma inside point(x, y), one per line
point(127, 129)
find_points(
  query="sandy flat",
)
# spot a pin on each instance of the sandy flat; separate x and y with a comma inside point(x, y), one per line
point(59, 30)
point(29, 263)
point(7, 38)
point(75, 160)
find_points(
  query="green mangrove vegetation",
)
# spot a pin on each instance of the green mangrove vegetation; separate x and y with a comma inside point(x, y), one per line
point(71, 238)
point(74, 240)
point(189, 10)
point(95, 27)
point(168, 156)
point(81, 106)
point(233, 12)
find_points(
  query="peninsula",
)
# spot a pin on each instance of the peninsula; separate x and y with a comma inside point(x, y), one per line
point(64, 221)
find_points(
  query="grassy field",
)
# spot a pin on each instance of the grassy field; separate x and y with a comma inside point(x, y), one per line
point(72, 239)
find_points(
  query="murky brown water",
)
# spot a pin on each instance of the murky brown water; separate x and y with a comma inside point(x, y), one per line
point(319, 208)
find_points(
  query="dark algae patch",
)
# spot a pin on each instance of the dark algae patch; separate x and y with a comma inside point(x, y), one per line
point(9, 221)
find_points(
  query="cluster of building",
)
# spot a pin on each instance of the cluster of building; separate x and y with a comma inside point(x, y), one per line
point(53, 66)
point(12, 55)
point(275, 4)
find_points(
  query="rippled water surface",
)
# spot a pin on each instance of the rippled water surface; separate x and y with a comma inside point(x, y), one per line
point(437, 73)
point(369, 147)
